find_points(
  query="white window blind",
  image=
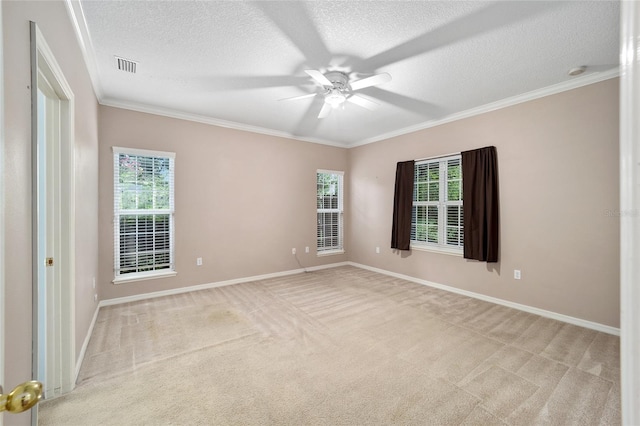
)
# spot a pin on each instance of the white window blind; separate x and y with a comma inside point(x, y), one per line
point(330, 211)
point(437, 216)
point(143, 212)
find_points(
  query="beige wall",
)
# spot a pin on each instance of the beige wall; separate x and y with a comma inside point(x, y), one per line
point(243, 200)
point(55, 25)
point(558, 170)
point(558, 165)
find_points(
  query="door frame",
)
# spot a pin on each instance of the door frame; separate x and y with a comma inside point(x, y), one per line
point(43, 64)
point(2, 297)
point(630, 211)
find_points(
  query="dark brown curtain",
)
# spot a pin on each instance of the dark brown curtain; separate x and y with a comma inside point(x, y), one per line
point(480, 197)
point(402, 205)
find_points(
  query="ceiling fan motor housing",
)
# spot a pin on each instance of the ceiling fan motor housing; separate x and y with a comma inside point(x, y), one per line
point(336, 95)
point(338, 79)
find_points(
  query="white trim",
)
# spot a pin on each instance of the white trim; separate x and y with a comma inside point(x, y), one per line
point(503, 103)
point(181, 115)
point(339, 248)
point(143, 276)
point(78, 20)
point(330, 172)
point(65, 348)
point(439, 158)
point(629, 209)
point(76, 14)
point(170, 292)
point(329, 252)
point(2, 207)
point(530, 309)
point(121, 212)
point(85, 344)
point(442, 205)
point(543, 313)
point(143, 152)
point(438, 249)
point(52, 64)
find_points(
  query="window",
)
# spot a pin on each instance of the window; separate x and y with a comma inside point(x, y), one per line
point(330, 212)
point(437, 216)
point(143, 213)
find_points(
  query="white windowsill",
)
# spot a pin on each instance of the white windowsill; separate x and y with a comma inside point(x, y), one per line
point(435, 249)
point(330, 252)
point(143, 276)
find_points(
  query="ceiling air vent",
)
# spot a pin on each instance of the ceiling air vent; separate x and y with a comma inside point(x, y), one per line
point(126, 65)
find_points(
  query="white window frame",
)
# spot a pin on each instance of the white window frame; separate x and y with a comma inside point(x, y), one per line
point(337, 249)
point(441, 246)
point(161, 273)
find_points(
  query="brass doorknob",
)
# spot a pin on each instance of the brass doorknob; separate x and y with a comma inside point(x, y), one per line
point(22, 397)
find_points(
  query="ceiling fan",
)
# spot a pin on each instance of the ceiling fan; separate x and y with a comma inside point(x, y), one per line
point(337, 89)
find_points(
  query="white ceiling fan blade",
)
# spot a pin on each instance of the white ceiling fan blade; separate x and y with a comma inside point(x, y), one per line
point(326, 109)
point(371, 81)
point(363, 102)
point(295, 98)
point(319, 77)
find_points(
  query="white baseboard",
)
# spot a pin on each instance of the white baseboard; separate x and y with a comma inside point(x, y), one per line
point(543, 313)
point(173, 291)
point(83, 350)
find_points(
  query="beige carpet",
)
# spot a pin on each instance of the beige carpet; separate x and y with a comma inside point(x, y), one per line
point(341, 346)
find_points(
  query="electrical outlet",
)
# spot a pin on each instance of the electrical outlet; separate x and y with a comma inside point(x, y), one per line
point(516, 274)
point(199, 261)
point(378, 250)
point(95, 297)
point(94, 283)
point(293, 250)
point(306, 249)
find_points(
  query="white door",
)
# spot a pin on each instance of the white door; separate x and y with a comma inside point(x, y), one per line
point(23, 396)
point(53, 224)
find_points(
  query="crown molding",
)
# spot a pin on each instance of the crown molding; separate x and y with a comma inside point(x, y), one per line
point(493, 106)
point(76, 14)
point(77, 17)
point(171, 113)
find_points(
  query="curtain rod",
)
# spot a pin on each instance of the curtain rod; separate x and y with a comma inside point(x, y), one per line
point(437, 156)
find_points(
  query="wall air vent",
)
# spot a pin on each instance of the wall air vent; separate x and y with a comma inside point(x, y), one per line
point(126, 65)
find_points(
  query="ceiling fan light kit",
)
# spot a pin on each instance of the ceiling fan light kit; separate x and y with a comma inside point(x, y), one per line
point(337, 93)
point(338, 89)
point(335, 98)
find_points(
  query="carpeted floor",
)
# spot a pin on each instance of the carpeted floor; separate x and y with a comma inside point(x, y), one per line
point(341, 346)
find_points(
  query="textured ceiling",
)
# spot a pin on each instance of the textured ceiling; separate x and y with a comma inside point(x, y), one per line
point(230, 62)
